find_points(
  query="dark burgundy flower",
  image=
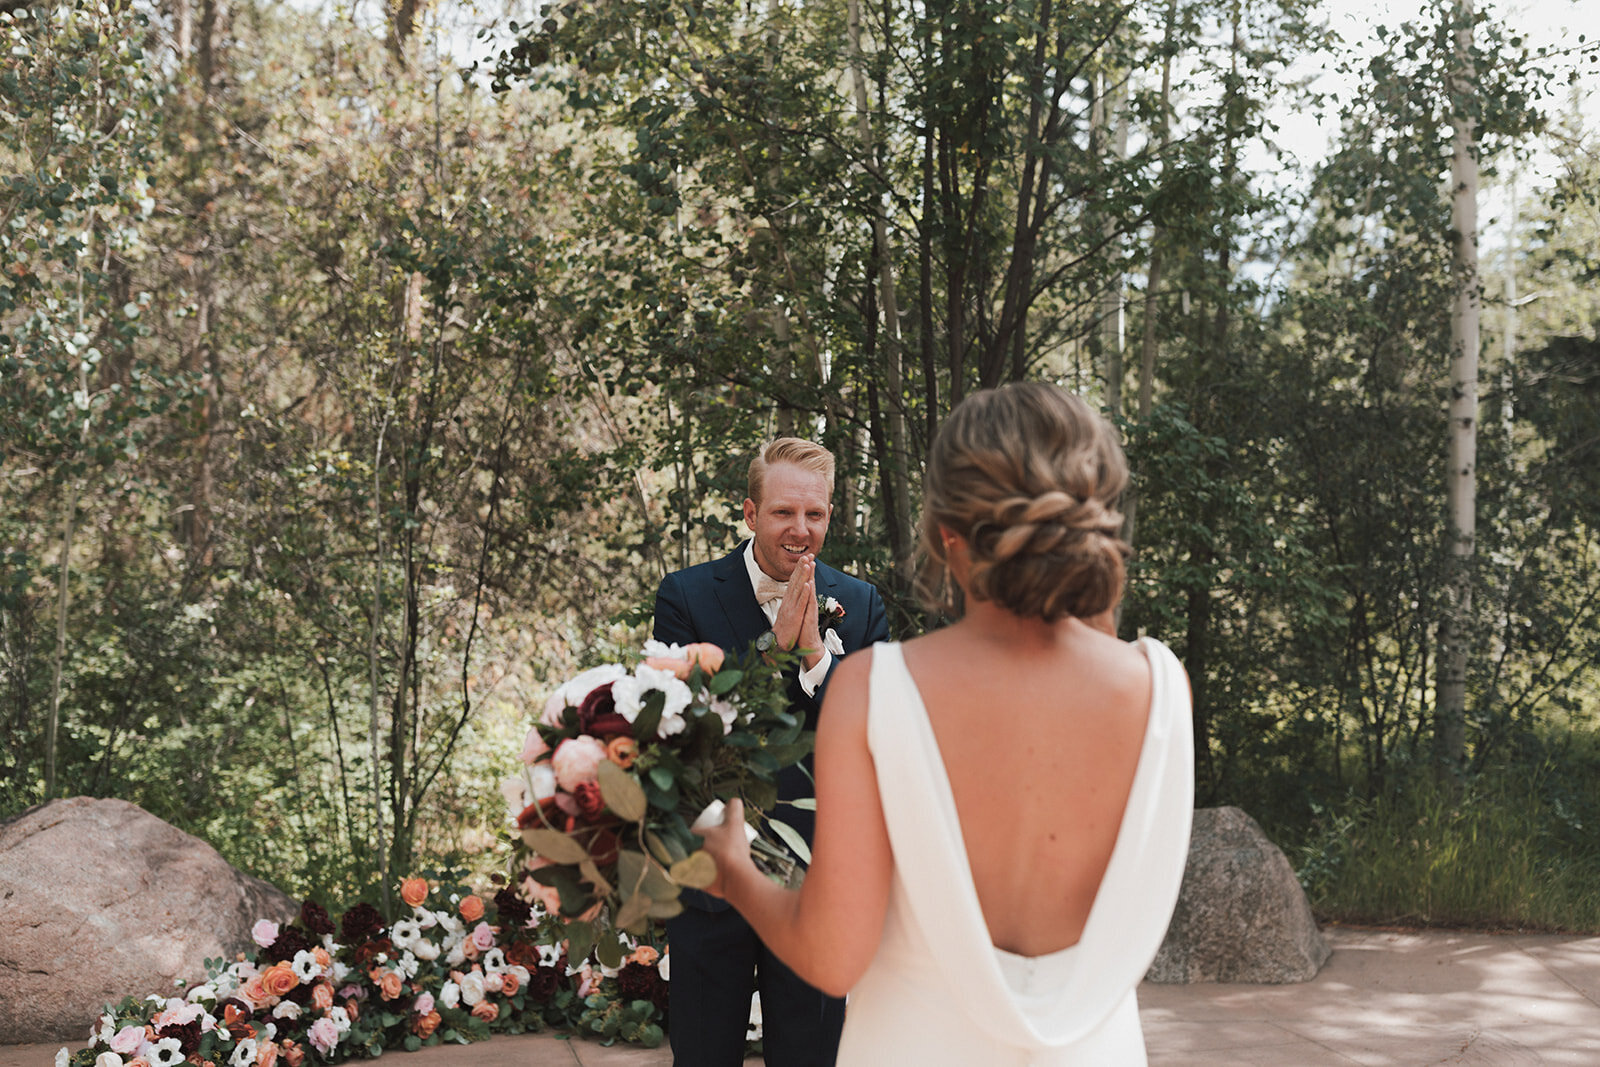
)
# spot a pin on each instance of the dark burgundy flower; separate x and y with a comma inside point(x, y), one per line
point(361, 923)
point(597, 715)
point(522, 954)
point(371, 950)
point(513, 910)
point(291, 939)
point(637, 981)
point(314, 917)
point(543, 983)
point(188, 1035)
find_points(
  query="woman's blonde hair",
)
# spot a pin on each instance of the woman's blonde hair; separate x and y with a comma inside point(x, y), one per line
point(1029, 476)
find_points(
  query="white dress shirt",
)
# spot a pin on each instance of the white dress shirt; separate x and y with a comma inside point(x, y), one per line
point(810, 677)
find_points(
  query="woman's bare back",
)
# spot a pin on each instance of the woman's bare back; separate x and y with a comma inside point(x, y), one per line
point(1040, 729)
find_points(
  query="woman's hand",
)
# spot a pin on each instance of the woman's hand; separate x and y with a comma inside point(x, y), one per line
point(727, 843)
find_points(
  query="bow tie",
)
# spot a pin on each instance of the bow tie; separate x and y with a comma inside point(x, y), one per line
point(768, 590)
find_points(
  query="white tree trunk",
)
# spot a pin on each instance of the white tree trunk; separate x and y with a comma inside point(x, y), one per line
point(1461, 481)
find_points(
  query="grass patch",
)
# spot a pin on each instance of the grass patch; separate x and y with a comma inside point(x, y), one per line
point(1512, 851)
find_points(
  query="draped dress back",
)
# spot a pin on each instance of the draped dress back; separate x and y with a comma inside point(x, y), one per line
point(938, 991)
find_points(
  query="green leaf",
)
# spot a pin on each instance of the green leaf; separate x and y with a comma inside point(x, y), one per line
point(792, 838)
point(580, 939)
point(666, 909)
point(555, 846)
point(697, 871)
point(633, 913)
point(608, 950)
point(622, 792)
point(725, 680)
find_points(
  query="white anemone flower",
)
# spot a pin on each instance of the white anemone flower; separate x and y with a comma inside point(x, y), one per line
point(305, 966)
point(629, 694)
point(405, 934)
point(494, 961)
point(168, 1052)
point(244, 1054)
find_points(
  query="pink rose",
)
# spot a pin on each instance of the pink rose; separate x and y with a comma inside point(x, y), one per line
point(128, 1040)
point(483, 936)
point(576, 761)
point(423, 1004)
point(553, 707)
point(264, 933)
point(324, 1034)
point(533, 747)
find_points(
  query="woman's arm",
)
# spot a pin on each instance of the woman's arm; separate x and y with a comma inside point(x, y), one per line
point(828, 930)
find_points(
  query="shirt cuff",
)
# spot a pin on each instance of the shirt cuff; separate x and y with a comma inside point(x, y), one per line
point(815, 676)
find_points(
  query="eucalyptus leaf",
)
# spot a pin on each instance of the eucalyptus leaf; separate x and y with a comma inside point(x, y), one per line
point(668, 851)
point(580, 939)
point(630, 871)
point(591, 874)
point(634, 911)
point(608, 949)
point(697, 871)
point(666, 909)
point(792, 838)
point(621, 792)
point(555, 846)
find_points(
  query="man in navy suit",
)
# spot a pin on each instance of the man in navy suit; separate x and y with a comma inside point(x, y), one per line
point(764, 593)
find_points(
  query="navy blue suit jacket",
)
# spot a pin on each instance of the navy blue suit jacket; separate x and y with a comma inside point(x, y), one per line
point(714, 602)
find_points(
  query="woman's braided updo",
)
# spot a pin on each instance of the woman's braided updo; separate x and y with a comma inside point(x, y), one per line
point(1029, 476)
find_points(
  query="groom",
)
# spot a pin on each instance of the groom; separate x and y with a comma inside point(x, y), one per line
point(765, 593)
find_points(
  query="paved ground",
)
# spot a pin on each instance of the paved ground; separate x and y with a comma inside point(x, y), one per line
point(1385, 999)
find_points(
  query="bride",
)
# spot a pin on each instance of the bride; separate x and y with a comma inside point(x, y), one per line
point(1003, 805)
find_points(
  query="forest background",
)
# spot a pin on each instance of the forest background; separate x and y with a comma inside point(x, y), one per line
point(363, 369)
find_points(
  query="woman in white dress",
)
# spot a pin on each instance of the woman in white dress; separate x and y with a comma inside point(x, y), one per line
point(1003, 805)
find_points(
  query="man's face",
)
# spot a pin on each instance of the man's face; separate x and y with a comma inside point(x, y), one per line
point(791, 519)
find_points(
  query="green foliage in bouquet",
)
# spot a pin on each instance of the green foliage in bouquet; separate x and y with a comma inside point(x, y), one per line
point(618, 768)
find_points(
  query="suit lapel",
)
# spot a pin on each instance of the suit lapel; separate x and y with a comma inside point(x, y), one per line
point(731, 580)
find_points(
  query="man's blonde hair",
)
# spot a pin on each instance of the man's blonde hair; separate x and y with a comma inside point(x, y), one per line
point(806, 455)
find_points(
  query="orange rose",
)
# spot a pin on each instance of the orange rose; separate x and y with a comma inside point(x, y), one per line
point(644, 955)
point(320, 954)
point(253, 992)
point(279, 979)
point(322, 996)
point(509, 984)
point(414, 891)
point(622, 751)
point(426, 1025)
point(709, 656)
point(352, 1008)
point(266, 1054)
point(389, 984)
point(293, 1054)
point(486, 1010)
point(471, 908)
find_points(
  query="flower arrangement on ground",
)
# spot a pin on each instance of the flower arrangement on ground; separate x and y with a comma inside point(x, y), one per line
point(457, 968)
point(618, 767)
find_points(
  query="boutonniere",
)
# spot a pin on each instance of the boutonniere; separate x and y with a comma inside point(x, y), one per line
point(829, 612)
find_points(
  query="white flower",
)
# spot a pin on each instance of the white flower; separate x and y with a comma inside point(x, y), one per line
point(405, 934)
point(407, 966)
point(549, 955)
point(168, 1052)
point(62, 1057)
point(244, 1053)
point(831, 606)
point(515, 790)
point(610, 972)
point(426, 950)
point(103, 1031)
point(341, 971)
point(542, 780)
point(424, 918)
point(286, 1009)
point(832, 643)
point(573, 692)
point(105, 1059)
point(494, 961)
point(472, 988)
point(654, 649)
point(456, 956)
point(727, 713)
point(305, 966)
point(340, 1019)
point(629, 693)
point(664, 967)
point(450, 995)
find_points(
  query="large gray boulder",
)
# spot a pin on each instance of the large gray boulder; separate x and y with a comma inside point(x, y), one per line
point(100, 899)
point(1241, 914)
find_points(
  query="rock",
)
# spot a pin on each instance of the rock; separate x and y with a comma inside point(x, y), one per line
point(1241, 914)
point(99, 900)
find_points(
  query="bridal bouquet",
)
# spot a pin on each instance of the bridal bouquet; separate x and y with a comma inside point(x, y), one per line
point(620, 766)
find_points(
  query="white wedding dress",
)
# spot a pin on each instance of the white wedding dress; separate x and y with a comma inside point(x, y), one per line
point(938, 992)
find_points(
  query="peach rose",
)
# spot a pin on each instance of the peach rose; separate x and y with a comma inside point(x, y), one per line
point(322, 996)
point(254, 993)
point(293, 1054)
point(471, 908)
point(414, 891)
point(576, 760)
point(279, 979)
point(709, 656)
point(320, 954)
point(266, 1054)
point(622, 751)
point(644, 955)
point(390, 984)
point(137, 1061)
point(426, 1025)
point(486, 1010)
point(509, 984)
